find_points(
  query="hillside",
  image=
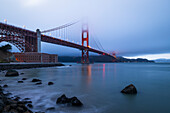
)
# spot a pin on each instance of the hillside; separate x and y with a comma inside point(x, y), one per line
point(100, 59)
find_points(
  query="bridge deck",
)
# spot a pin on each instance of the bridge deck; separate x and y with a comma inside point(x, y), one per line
point(10, 30)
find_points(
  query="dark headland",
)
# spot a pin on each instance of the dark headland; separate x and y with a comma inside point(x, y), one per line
point(101, 59)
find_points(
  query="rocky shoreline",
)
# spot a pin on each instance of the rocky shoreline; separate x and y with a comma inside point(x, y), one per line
point(6, 66)
point(13, 104)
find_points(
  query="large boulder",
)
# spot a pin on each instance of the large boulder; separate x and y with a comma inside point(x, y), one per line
point(62, 100)
point(69, 101)
point(12, 73)
point(130, 89)
point(75, 102)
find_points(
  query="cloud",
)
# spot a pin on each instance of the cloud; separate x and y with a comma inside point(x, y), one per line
point(129, 27)
point(31, 3)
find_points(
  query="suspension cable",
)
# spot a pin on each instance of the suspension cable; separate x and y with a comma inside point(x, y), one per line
point(60, 27)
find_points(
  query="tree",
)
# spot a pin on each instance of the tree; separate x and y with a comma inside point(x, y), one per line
point(6, 48)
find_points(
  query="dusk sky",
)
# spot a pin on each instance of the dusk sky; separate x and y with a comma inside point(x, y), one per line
point(128, 27)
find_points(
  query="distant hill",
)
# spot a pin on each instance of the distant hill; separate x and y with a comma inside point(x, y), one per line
point(162, 60)
point(100, 59)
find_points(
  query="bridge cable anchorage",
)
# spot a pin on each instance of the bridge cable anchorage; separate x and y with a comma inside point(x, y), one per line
point(60, 27)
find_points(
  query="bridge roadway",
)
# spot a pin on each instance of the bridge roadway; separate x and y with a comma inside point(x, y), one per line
point(10, 30)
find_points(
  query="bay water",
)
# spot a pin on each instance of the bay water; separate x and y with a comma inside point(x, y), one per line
point(97, 86)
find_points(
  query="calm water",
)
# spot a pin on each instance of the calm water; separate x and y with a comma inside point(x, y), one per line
point(98, 86)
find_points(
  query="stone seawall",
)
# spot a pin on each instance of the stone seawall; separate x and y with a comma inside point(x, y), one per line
point(5, 66)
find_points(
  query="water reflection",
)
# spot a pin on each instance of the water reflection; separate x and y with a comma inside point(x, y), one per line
point(89, 70)
point(103, 70)
point(86, 70)
point(114, 70)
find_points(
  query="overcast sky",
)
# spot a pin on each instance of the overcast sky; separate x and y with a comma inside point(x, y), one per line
point(129, 27)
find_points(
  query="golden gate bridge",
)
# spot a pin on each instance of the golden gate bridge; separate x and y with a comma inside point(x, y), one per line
point(30, 41)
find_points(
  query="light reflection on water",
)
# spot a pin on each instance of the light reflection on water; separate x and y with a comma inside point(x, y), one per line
point(98, 86)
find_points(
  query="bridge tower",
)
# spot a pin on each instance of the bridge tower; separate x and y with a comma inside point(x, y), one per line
point(85, 42)
point(38, 41)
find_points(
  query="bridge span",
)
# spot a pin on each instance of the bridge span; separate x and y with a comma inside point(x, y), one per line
point(30, 41)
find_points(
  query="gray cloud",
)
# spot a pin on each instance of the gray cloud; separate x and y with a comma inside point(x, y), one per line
point(129, 27)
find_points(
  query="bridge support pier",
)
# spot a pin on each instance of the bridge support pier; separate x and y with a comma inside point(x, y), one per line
point(38, 41)
point(85, 42)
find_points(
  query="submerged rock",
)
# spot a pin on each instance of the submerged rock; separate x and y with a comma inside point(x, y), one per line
point(7, 94)
point(21, 73)
point(36, 80)
point(38, 83)
point(11, 73)
point(5, 86)
point(20, 82)
point(17, 98)
point(130, 89)
point(30, 105)
point(50, 83)
point(40, 112)
point(69, 101)
point(27, 99)
point(24, 78)
point(50, 108)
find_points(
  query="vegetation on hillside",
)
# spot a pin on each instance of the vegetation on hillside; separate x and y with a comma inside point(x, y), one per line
point(5, 54)
point(6, 48)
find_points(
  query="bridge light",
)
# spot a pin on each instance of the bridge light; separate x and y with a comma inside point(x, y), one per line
point(24, 26)
point(5, 20)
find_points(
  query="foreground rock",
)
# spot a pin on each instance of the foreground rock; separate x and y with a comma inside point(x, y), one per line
point(8, 105)
point(130, 89)
point(12, 73)
point(69, 101)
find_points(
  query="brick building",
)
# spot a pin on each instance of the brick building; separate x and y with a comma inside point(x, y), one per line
point(36, 57)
